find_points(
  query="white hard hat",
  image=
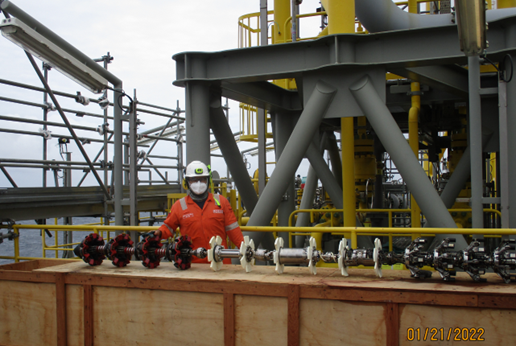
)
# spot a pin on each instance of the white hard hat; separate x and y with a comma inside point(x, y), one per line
point(196, 169)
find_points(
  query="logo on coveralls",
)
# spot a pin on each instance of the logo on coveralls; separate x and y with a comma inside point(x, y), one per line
point(186, 216)
point(218, 211)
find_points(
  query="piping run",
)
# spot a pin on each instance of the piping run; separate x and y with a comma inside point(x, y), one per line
point(385, 15)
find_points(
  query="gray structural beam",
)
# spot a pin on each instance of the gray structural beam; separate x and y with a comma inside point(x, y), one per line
point(231, 153)
point(452, 79)
point(262, 95)
point(396, 145)
point(395, 49)
point(197, 123)
point(293, 153)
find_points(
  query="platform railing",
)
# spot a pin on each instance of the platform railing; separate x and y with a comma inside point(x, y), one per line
point(351, 232)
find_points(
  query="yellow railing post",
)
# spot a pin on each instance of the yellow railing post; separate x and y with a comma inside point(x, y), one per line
point(16, 244)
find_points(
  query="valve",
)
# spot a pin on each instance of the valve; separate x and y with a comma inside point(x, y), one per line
point(446, 261)
point(504, 259)
point(415, 258)
point(475, 261)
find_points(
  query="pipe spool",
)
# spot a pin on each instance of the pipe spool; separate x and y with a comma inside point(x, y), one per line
point(474, 259)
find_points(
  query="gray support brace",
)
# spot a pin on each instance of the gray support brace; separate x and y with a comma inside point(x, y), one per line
point(297, 145)
point(324, 173)
point(396, 145)
point(459, 177)
point(475, 142)
point(231, 153)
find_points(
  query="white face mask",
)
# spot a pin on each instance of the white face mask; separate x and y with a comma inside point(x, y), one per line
point(198, 187)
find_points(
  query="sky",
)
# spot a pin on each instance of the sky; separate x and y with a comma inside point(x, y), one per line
point(142, 36)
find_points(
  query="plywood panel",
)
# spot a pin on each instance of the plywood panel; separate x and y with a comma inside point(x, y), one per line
point(332, 322)
point(124, 316)
point(75, 315)
point(27, 314)
point(498, 325)
point(260, 320)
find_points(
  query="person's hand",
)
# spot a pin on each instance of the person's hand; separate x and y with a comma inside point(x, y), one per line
point(157, 233)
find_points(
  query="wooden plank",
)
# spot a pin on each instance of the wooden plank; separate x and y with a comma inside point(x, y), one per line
point(395, 296)
point(328, 322)
point(27, 313)
point(171, 284)
point(31, 265)
point(75, 306)
point(61, 310)
point(417, 321)
point(260, 320)
point(229, 319)
point(27, 276)
point(392, 321)
point(143, 317)
point(293, 315)
point(88, 315)
point(500, 301)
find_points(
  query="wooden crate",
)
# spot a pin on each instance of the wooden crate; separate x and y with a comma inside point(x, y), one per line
point(52, 302)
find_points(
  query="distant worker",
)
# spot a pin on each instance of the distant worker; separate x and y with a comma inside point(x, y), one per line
point(201, 215)
point(297, 182)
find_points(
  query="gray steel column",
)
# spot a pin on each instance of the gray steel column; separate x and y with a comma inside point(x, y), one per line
point(475, 141)
point(503, 156)
point(293, 153)
point(511, 146)
point(231, 153)
point(283, 124)
point(118, 156)
point(262, 113)
point(396, 145)
point(197, 123)
point(133, 170)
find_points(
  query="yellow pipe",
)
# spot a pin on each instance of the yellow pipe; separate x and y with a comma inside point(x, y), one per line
point(414, 145)
point(318, 236)
point(506, 3)
point(348, 171)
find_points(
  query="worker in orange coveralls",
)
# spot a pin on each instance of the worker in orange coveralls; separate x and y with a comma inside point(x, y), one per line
point(201, 215)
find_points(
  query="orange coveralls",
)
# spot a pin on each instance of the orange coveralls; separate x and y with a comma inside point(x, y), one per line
point(203, 224)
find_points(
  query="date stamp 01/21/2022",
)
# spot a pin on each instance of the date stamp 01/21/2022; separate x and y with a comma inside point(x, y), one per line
point(445, 334)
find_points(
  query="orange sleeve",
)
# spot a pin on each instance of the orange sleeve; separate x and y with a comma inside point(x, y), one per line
point(171, 222)
point(232, 228)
